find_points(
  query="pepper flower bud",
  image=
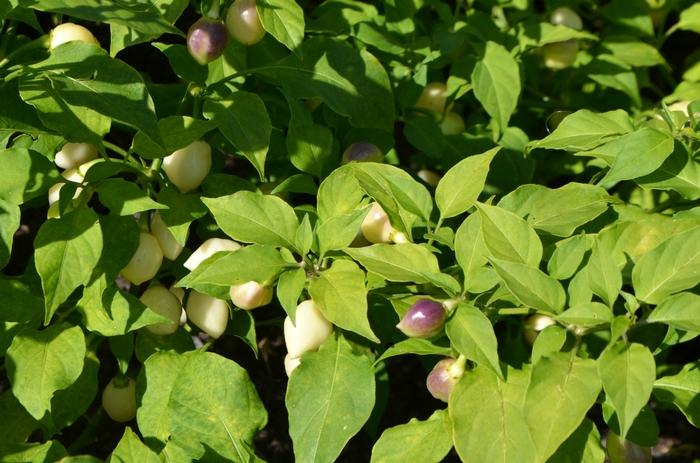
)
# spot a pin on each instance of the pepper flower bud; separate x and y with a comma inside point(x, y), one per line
point(444, 375)
point(424, 319)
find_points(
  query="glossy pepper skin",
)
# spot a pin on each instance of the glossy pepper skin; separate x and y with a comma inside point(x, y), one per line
point(444, 376)
point(362, 152)
point(424, 319)
point(206, 40)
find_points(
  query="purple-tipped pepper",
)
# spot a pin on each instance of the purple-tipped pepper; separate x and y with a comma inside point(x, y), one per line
point(362, 152)
point(207, 40)
point(424, 319)
point(444, 375)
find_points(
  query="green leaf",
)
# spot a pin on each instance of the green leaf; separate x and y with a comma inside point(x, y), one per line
point(460, 187)
point(339, 232)
point(143, 17)
point(110, 312)
point(9, 223)
point(243, 119)
point(130, 448)
point(17, 424)
point(289, 287)
point(351, 82)
point(587, 315)
point(341, 295)
point(584, 130)
point(415, 346)
point(484, 408)
point(634, 53)
point(568, 256)
point(401, 262)
point(284, 20)
point(670, 267)
point(470, 250)
point(338, 194)
point(557, 211)
point(604, 277)
point(531, 286)
point(183, 210)
point(82, 75)
point(679, 311)
point(175, 131)
point(496, 81)
point(67, 251)
point(26, 174)
point(39, 363)
point(472, 335)
point(21, 303)
point(548, 341)
point(508, 237)
point(689, 20)
point(583, 446)
point(261, 263)
point(200, 399)
point(22, 453)
point(562, 389)
point(310, 145)
point(426, 441)
point(125, 198)
point(329, 398)
point(628, 372)
point(680, 172)
point(682, 390)
point(254, 218)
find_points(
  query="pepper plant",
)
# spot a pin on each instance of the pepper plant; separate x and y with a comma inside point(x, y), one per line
point(465, 230)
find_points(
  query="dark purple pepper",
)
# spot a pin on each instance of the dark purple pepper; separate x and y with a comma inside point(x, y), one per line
point(424, 319)
point(207, 40)
point(444, 375)
point(362, 152)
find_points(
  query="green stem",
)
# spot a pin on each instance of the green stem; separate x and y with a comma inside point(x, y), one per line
point(214, 10)
point(117, 149)
point(89, 433)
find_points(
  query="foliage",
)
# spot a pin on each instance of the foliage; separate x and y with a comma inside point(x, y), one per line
point(530, 184)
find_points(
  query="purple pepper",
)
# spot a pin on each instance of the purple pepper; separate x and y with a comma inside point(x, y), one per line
point(207, 40)
point(362, 152)
point(444, 375)
point(424, 319)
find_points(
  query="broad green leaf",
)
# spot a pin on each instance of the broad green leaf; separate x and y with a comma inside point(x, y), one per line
point(175, 131)
point(329, 398)
point(689, 20)
point(83, 76)
point(20, 302)
point(148, 343)
point(470, 249)
point(496, 82)
point(351, 82)
point(122, 36)
point(284, 20)
point(122, 236)
point(472, 335)
point(15, 114)
point(531, 286)
point(633, 155)
point(289, 287)
point(22, 453)
point(583, 446)
point(182, 62)
point(484, 408)
point(67, 251)
point(339, 232)
point(680, 172)
point(122, 197)
point(110, 312)
point(310, 145)
point(341, 295)
point(628, 372)
point(644, 430)
point(680, 311)
point(9, 223)
point(415, 346)
point(254, 218)
point(243, 119)
point(39, 363)
point(682, 390)
point(17, 424)
point(568, 256)
point(26, 174)
point(140, 16)
point(261, 263)
point(634, 53)
point(670, 267)
point(200, 399)
point(508, 237)
point(389, 184)
point(584, 130)
point(402, 262)
point(426, 441)
point(548, 341)
point(586, 315)
point(557, 211)
point(130, 448)
point(553, 33)
point(604, 277)
point(183, 210)
point(338, 194)
point(460, 187)
point(562, 389)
